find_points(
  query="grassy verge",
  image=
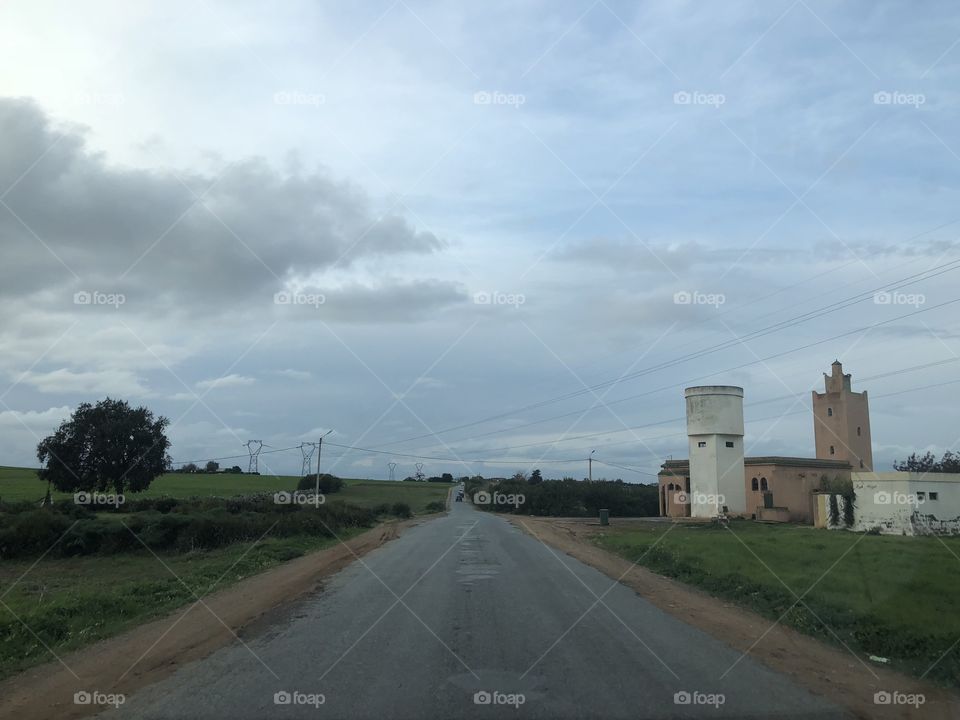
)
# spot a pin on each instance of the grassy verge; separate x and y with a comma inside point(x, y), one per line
point(71, 602)
point(22, 484)
point(895, 597)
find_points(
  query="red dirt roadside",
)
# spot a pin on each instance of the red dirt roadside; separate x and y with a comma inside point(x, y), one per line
point(158, 648)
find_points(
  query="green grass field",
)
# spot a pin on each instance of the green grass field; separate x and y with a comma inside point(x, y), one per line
point(22, 484)
point(72, 602)
point(896, 597)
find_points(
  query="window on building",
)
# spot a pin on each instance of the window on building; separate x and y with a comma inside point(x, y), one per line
point(670, 487)
point(861, 463)
point(829, 412)
point(754, 484)
point(702, 443)
point(687, 482)
point(729, 443)
point(763, 484)
point(831, 450)
point(934, 496)
point(858, 431)
point(921, 495)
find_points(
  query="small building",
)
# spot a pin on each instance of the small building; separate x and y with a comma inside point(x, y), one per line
point(907, 503)
point(776, 488)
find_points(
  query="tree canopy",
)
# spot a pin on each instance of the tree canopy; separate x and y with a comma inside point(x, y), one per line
point(105, 446)
point(949, 463)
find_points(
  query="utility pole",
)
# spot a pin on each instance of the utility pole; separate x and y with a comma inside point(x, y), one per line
point(316, 490)
point(590, 465)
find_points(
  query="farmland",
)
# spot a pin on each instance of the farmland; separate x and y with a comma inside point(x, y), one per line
point(22, 484)
point(875, 594)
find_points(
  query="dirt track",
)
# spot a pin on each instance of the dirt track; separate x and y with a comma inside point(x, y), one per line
point(152, 651)
point(824, 669)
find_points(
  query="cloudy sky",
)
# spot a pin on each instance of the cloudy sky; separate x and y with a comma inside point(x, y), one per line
point(502, 233)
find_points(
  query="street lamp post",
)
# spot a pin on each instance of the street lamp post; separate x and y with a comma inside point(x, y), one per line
point(590, 465)
point(316, 489)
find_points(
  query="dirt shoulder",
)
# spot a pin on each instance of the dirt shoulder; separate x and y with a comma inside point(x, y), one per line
point(152, 651)
point(823, 669)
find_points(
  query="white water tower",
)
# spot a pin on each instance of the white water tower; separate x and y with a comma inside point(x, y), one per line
point(715, 432)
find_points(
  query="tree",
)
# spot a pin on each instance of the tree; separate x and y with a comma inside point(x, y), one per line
point(189, 468)
point(535, 477)
point(915, 463)
point(447, 477)
point(106, 446)
point(236, 470)
point(212, 466)
point(519, 476)
point(927, 463)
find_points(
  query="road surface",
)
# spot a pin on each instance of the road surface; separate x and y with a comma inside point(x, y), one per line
point(466, 616)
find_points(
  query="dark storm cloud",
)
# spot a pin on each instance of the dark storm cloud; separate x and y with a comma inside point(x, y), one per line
point(188, 239)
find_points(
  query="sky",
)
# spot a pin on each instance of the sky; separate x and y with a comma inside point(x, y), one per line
point(485, 237)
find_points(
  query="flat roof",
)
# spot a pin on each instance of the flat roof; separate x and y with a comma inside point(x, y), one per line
point(772, 460)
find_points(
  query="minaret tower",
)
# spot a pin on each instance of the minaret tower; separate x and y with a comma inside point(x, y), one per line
point(841, 421)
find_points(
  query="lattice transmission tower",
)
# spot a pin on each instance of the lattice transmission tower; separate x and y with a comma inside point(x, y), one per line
point(307, 449)
point(254, 447)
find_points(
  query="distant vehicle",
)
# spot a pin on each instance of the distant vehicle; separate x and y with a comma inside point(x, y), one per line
point(459, 498)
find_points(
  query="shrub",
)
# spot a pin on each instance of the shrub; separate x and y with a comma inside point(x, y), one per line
point(401, 510)
point(329, 484)
point(200, 523)
point(436, 506)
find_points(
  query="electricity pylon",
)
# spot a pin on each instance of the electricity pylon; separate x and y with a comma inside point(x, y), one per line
point(252, 466)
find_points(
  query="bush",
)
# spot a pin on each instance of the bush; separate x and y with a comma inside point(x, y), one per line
point(401, 510)
point(436, 506)
point(573, 498)
point(329, 484)
point(186, 525)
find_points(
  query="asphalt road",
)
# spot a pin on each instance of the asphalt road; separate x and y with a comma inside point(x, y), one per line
point(468, 604)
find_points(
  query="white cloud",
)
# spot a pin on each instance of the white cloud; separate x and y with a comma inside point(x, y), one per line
point(227, 381)
point(118, 383)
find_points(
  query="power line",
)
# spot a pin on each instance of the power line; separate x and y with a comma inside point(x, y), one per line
point(736, 367)
point(776, 327)
point(755, 300)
